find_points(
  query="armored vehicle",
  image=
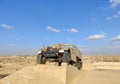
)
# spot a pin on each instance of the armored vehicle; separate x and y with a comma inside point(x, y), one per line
point(60, 53)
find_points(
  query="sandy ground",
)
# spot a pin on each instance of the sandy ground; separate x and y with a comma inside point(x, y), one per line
point(97, 77)
point(24, 70)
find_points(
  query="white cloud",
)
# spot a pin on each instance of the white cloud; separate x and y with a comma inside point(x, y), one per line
point(63, 30)
point(6, 26)
point(117, 38)
point(96, 37)
point(114, 3)
point(52, 29)
point(74, 30)
point(117, 15)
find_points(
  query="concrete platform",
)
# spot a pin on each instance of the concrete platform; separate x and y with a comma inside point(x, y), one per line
point(42, 74)
point(51, 73)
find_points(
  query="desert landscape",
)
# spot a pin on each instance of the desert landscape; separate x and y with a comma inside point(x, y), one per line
point(60, 42)
point(95, 70)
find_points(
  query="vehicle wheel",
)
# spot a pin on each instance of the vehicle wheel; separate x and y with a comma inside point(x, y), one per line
point(78, 63)
point(41, 59)
point(59, 62)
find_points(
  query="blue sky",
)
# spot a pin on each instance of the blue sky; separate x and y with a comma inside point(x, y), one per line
point(92, 25)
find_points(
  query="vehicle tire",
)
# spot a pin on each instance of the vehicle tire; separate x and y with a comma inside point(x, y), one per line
point(78, 63)
point(59, 62)
point(41, 59)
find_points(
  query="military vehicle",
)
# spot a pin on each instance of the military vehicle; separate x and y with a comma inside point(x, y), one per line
point(60, 53)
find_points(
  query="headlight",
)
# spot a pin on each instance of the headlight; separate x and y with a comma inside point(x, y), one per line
point(61, 51)
point(39, 52)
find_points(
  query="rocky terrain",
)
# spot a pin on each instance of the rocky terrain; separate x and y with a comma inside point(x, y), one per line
point(11, 64)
